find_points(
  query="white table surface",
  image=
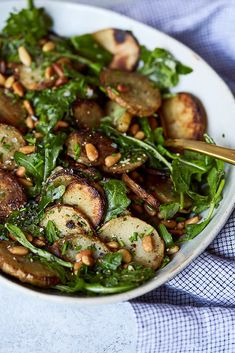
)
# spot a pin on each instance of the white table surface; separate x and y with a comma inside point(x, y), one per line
point(35, 325)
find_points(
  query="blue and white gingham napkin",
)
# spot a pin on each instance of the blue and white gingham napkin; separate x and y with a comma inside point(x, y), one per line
point(195, 311)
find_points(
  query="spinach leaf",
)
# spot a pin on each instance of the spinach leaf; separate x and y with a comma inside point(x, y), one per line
point(21, 238)
point(115, 191)
point(161, 67)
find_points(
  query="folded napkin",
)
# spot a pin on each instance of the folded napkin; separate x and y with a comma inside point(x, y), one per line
point(195, 311)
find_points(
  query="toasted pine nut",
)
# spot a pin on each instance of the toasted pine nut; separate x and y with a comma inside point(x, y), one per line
point(9, 81)
point(49, 72)
point(25, 182)
point(173, 250)
point(20, 172)
point(91, 152)
point(138, 208)
point(140, 135)
point(24, 56)
point(29, 122)
point(28, 107)
point(38, 242)
point(48, 46)
point(124, 122)
point(58, 70)
point(18, 250)
point(27, 149)
point(61, 124)
point(29, 237)
point(88, 260)
point(2, 80)
point(18, 89)
point(150, 210)
point(112, 159)
point(126, 255)
point(180, 225)
point(170, 223)
point(192, 220)
point(147, 243)
point(113, 245)
point(134, 129)
point(82, 253)
point(77, 266)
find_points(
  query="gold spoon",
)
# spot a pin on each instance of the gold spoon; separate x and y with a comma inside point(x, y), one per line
point(226, 154)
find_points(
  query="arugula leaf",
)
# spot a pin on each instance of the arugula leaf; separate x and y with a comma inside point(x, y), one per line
point(52, 232)
point(161, 67)
point(168, 210)
point(166, 236)
point(21, 238)
point(50, 194)
point(115, 191)
point(111, 261)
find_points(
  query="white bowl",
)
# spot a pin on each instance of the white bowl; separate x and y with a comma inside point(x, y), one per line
point(71, 19)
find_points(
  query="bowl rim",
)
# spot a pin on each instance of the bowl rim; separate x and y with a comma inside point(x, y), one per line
point(150, 285)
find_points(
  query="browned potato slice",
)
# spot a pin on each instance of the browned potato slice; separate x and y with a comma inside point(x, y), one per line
point(27, 270)
point(12, 196)
point(122, 44)
point(163, 189)
point(140, 192)
point(132, 91)
point(34, 79)
point(126, 164)
point(121, 119)
point(10, 141)
point(78, 140)
point(68, 220)
point(12, 112)
point(77, 242)
point(183, 116)
point(87, 113)
point(123, 228)
point(86, 198)
point(61, 176)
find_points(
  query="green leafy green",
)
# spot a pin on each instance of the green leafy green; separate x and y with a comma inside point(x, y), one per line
point(168, 210)
point(21, 238)
point(161, 67)
point(52, 232)
point(166, 236)
point(50, 193)
point(111, 261)
point(117, 199)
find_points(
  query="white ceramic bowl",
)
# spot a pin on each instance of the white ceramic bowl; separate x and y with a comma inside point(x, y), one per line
point(71, 19)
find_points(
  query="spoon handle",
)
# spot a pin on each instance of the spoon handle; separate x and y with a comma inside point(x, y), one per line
point(226, 154)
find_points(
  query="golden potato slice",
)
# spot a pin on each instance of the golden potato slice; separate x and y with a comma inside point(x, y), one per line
point(132, 91)
point(10, 141)
point(12, 196)
point(67, 219)
point(25, 268)
point(12, 111)
point(87, 113)
point(131, 231)
point(87, 198)
point(76, 146)
point(183, 116)
point(122, 44)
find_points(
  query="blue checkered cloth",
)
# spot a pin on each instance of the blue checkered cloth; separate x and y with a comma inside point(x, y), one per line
point(195, 311)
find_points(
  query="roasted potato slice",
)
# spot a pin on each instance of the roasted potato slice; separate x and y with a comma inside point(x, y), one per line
point(87, 113)
point(123, 228)
point(25, 268)
point(12, 111)
point(87, 198)
point(12, 195)
point(132, 91)
point(61, 176)
point(122, 44)
point(127, 163)
point(183, 116)
point(68, 220)
point(68, 247)
point(121, 119)
point(10, 141)
point(77, 141)
point(34, 79)
point(140, 192)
